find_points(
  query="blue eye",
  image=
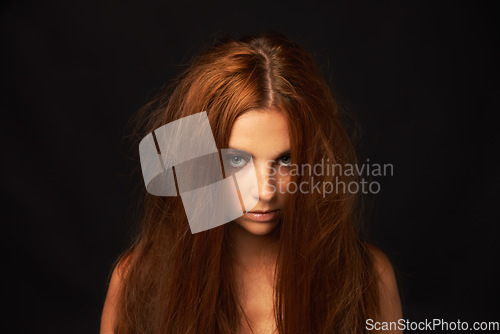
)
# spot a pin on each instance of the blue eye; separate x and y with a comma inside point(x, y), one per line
point(285, 160)
point(237, 161)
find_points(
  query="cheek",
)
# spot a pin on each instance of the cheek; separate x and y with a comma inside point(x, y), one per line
point(246, 180)
point(283, 184)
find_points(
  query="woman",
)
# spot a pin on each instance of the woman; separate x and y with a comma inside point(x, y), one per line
point(294, 262)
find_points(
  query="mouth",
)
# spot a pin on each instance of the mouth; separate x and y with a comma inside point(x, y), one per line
point(262, 216)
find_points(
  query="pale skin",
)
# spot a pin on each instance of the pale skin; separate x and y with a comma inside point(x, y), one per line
point(264, 134)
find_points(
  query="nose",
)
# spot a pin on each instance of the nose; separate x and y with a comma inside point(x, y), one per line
point(266, 183)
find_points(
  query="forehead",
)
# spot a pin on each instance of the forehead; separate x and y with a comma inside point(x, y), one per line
point(261, 132)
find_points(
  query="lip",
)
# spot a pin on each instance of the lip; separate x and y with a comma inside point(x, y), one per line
point(262, 216)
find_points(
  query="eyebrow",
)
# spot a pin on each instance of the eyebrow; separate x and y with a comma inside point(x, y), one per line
point(279, 155)
point(231, 150)
point(286, 152)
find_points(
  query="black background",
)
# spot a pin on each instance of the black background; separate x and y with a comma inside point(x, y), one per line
point(421, 78)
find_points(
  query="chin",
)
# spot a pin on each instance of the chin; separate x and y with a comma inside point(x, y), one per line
point(257, 228)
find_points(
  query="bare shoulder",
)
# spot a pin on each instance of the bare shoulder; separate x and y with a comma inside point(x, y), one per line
point(382, 263)
point(110, 305)
point(390, 303)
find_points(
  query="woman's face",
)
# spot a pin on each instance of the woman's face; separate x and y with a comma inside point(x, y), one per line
point(263, 134)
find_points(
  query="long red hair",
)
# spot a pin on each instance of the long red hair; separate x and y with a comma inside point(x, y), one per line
point(178, 282)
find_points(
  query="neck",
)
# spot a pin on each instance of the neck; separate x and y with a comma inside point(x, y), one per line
point(252, 251)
